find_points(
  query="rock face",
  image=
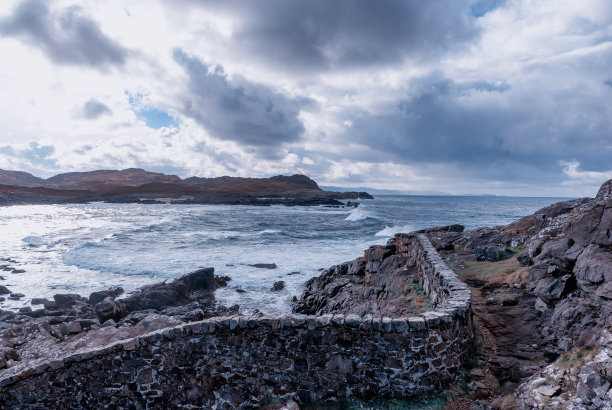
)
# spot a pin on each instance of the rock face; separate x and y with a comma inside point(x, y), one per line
point(375, 284)
point(174, 293)
point(568, 255)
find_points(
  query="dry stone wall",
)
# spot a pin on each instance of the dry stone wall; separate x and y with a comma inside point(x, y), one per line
point(240, 361)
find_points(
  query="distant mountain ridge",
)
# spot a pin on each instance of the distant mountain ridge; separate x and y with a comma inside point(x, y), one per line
point(375, 191)
point(138, 185)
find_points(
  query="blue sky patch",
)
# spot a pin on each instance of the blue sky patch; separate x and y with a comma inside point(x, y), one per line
point(153, 117)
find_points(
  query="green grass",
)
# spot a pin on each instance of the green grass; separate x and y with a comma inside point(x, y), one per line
point(415, 294)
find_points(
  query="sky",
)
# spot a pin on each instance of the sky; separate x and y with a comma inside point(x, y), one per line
point(480, 96)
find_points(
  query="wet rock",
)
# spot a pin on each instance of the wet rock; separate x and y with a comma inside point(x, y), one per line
point(25, 309)
point(99, 296)
point(49, 304)
point(4, 290)
point(39, 301)
point(18, 271)
point(264, 265)
point(294, 273)
point(110, 309)
point(278, 286)
point(66, 298)
point(222, 281)
point(16, 296)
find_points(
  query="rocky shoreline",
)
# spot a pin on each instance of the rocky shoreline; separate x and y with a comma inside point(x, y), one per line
point(541, 292)
point(69, 322)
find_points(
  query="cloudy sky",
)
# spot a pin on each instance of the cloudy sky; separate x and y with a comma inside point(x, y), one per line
point(482, 96)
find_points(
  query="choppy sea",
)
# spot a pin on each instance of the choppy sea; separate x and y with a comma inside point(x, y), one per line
point(86, 247)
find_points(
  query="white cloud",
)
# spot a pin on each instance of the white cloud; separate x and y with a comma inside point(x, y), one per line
point(551, 59)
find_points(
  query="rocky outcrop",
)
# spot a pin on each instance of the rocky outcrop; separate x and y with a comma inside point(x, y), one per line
point(564, 298)
point(71, 322)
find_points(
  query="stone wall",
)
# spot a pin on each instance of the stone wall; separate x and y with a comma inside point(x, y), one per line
point(243, 360)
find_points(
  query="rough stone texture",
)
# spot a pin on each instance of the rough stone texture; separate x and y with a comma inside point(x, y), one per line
point(240, 360)
point(573, 383)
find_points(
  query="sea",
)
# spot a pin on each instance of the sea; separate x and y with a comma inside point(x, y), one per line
point(81, 248)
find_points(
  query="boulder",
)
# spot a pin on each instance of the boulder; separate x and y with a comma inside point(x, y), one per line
point(176, 292)
point(99, 296)
point(66, 298)
point(524, 259)
point(551, 289)
point(201, 279)
point(278, 286)
point(4, 290)
point(71, 328)
point(491, 253)
point(221, 281)
point(110, 309)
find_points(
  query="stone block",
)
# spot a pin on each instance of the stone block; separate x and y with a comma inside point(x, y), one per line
point(400, 325)
point(352, 320)
point(387, 324)
point(416, 323)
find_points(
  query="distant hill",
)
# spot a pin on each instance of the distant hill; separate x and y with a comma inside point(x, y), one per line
point(100, 178)
point(19, 178)
point(138, 185)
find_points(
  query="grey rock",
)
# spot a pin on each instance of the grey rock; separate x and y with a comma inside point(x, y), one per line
point(71, 328)
point(66, 298)
point(264, 265)
point(278, 286)
point(110, 309)
point(99, 296)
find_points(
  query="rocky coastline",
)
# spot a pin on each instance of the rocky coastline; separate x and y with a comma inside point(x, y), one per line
point(143, 187)
point(540, 290)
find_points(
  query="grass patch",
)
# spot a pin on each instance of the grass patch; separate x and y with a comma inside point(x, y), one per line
point(415, 294)
point(507, 271)
point(576, 358)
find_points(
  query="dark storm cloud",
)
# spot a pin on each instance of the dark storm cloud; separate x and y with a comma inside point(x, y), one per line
point(94, 109)
point(306, 35)
point(250, 114)
point(66, 37)
point(608, 83)
point(492, 134)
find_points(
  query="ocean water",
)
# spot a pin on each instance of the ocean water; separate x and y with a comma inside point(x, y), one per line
point(86, 247)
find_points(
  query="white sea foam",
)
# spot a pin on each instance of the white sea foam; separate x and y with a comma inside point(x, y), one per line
point(358, 214)
point(389, 231)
